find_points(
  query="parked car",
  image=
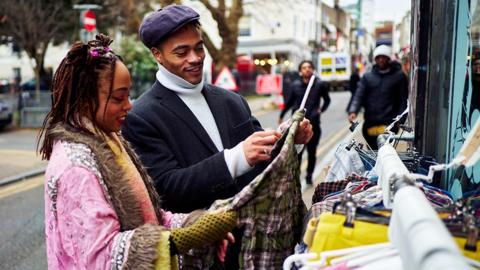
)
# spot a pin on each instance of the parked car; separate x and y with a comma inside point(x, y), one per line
point(6, 114)
point(8, 102)
point(30, 85)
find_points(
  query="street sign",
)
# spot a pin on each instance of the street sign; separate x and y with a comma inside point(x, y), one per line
point(269, 84)
point(226, 80)
point(89, 21)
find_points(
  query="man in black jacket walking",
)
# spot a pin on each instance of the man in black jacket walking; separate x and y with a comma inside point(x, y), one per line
point(382, 92)
point(297, 91)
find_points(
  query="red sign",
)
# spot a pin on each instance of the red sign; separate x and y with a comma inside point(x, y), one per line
point(226, 80)
point(269, 84)
point(89, 21)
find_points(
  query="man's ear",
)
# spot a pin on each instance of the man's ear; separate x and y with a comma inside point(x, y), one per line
point(157, 54)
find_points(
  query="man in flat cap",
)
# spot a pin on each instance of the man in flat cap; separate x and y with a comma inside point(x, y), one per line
point(199, 142)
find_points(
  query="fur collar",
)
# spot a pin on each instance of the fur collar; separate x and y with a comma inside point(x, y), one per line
point(123, 200)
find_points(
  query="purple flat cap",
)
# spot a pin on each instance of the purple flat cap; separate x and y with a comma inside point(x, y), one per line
point(160, 24)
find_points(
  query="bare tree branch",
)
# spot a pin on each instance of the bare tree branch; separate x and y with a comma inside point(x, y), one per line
point(165, 3)
point(32, 24)
point(214, 51)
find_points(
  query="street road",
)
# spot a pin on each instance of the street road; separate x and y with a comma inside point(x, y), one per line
point(22, 244)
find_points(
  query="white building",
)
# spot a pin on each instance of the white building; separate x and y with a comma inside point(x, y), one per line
point(363, 14)
point(402, 33)
point(12, 64)
point(272, 33)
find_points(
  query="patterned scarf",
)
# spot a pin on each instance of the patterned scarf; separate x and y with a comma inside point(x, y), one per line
point(128, 167)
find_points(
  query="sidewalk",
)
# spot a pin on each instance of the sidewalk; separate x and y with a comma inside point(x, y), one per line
point(19, 164)
point(259, 103)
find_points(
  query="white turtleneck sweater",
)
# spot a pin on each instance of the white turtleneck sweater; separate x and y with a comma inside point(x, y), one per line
point(191, 95)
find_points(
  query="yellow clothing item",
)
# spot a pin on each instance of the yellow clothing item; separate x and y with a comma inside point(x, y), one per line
point(474, 255)
point(164, 260)
point(310, 232)
point(332, 235)
point(209, 228)
point(376, 130)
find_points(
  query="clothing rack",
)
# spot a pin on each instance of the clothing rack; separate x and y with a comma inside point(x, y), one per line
point(422, 239)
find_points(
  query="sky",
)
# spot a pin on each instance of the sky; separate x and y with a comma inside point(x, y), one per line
point(384, 9)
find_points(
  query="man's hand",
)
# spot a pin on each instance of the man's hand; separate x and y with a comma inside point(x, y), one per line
point(257, 147)
point(352, 117)
point(304, 132)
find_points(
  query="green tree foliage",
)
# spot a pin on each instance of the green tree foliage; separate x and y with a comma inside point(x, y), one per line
point(140, 63)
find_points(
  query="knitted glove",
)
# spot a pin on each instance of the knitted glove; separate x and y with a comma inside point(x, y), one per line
point(207, 229)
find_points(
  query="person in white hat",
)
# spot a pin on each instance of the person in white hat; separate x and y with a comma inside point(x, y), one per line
point(382, 92)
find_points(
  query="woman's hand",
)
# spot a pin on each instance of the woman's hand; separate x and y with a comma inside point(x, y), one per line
point(222, 246)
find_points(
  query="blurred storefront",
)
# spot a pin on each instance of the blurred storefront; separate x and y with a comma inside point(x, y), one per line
point(445, 83)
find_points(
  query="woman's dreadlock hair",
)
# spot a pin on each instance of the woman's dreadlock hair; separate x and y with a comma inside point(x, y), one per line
point(75, 87)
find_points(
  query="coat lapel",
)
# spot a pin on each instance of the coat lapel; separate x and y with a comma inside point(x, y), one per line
point(217, 107)
point(172, 102)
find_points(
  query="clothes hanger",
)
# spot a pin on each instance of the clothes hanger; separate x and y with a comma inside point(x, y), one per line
point(297, 258)
point(348, 207)
point(468, 155)
point(397, 118)
point(371, 257)
point(307, 92)
point(325, 255)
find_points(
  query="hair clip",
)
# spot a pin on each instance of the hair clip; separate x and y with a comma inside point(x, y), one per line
point(99, 51)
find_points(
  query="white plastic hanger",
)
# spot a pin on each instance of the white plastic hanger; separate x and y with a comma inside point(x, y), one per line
point(397, 118)
point(305, 96)
point(468, 155)
point(306, 258)
point(361, 261)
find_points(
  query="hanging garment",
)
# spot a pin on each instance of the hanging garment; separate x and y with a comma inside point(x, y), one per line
point(345, 163)
point(325, 188)
point(331, 234)
point(270, 209)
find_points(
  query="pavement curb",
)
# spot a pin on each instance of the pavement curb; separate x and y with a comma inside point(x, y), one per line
point(22, 176)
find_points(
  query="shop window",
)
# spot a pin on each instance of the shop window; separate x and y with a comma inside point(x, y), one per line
point(465, 101)
point(244, 26)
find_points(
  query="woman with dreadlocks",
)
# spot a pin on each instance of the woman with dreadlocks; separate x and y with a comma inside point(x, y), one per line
point(101, 209)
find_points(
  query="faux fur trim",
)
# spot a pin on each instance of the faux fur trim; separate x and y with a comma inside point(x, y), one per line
point(123, 199)
point(144, 248)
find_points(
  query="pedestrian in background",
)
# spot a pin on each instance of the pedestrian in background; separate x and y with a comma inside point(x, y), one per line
point(319, 90)
point(101, 208)
point(352, 84)
point(288, 77)
point(382, 92)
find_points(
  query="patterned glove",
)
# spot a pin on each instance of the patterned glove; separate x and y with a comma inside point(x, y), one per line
point(208, 229)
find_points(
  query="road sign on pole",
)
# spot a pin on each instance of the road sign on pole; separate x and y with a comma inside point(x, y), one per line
point(226, 80)
point(89, 21)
